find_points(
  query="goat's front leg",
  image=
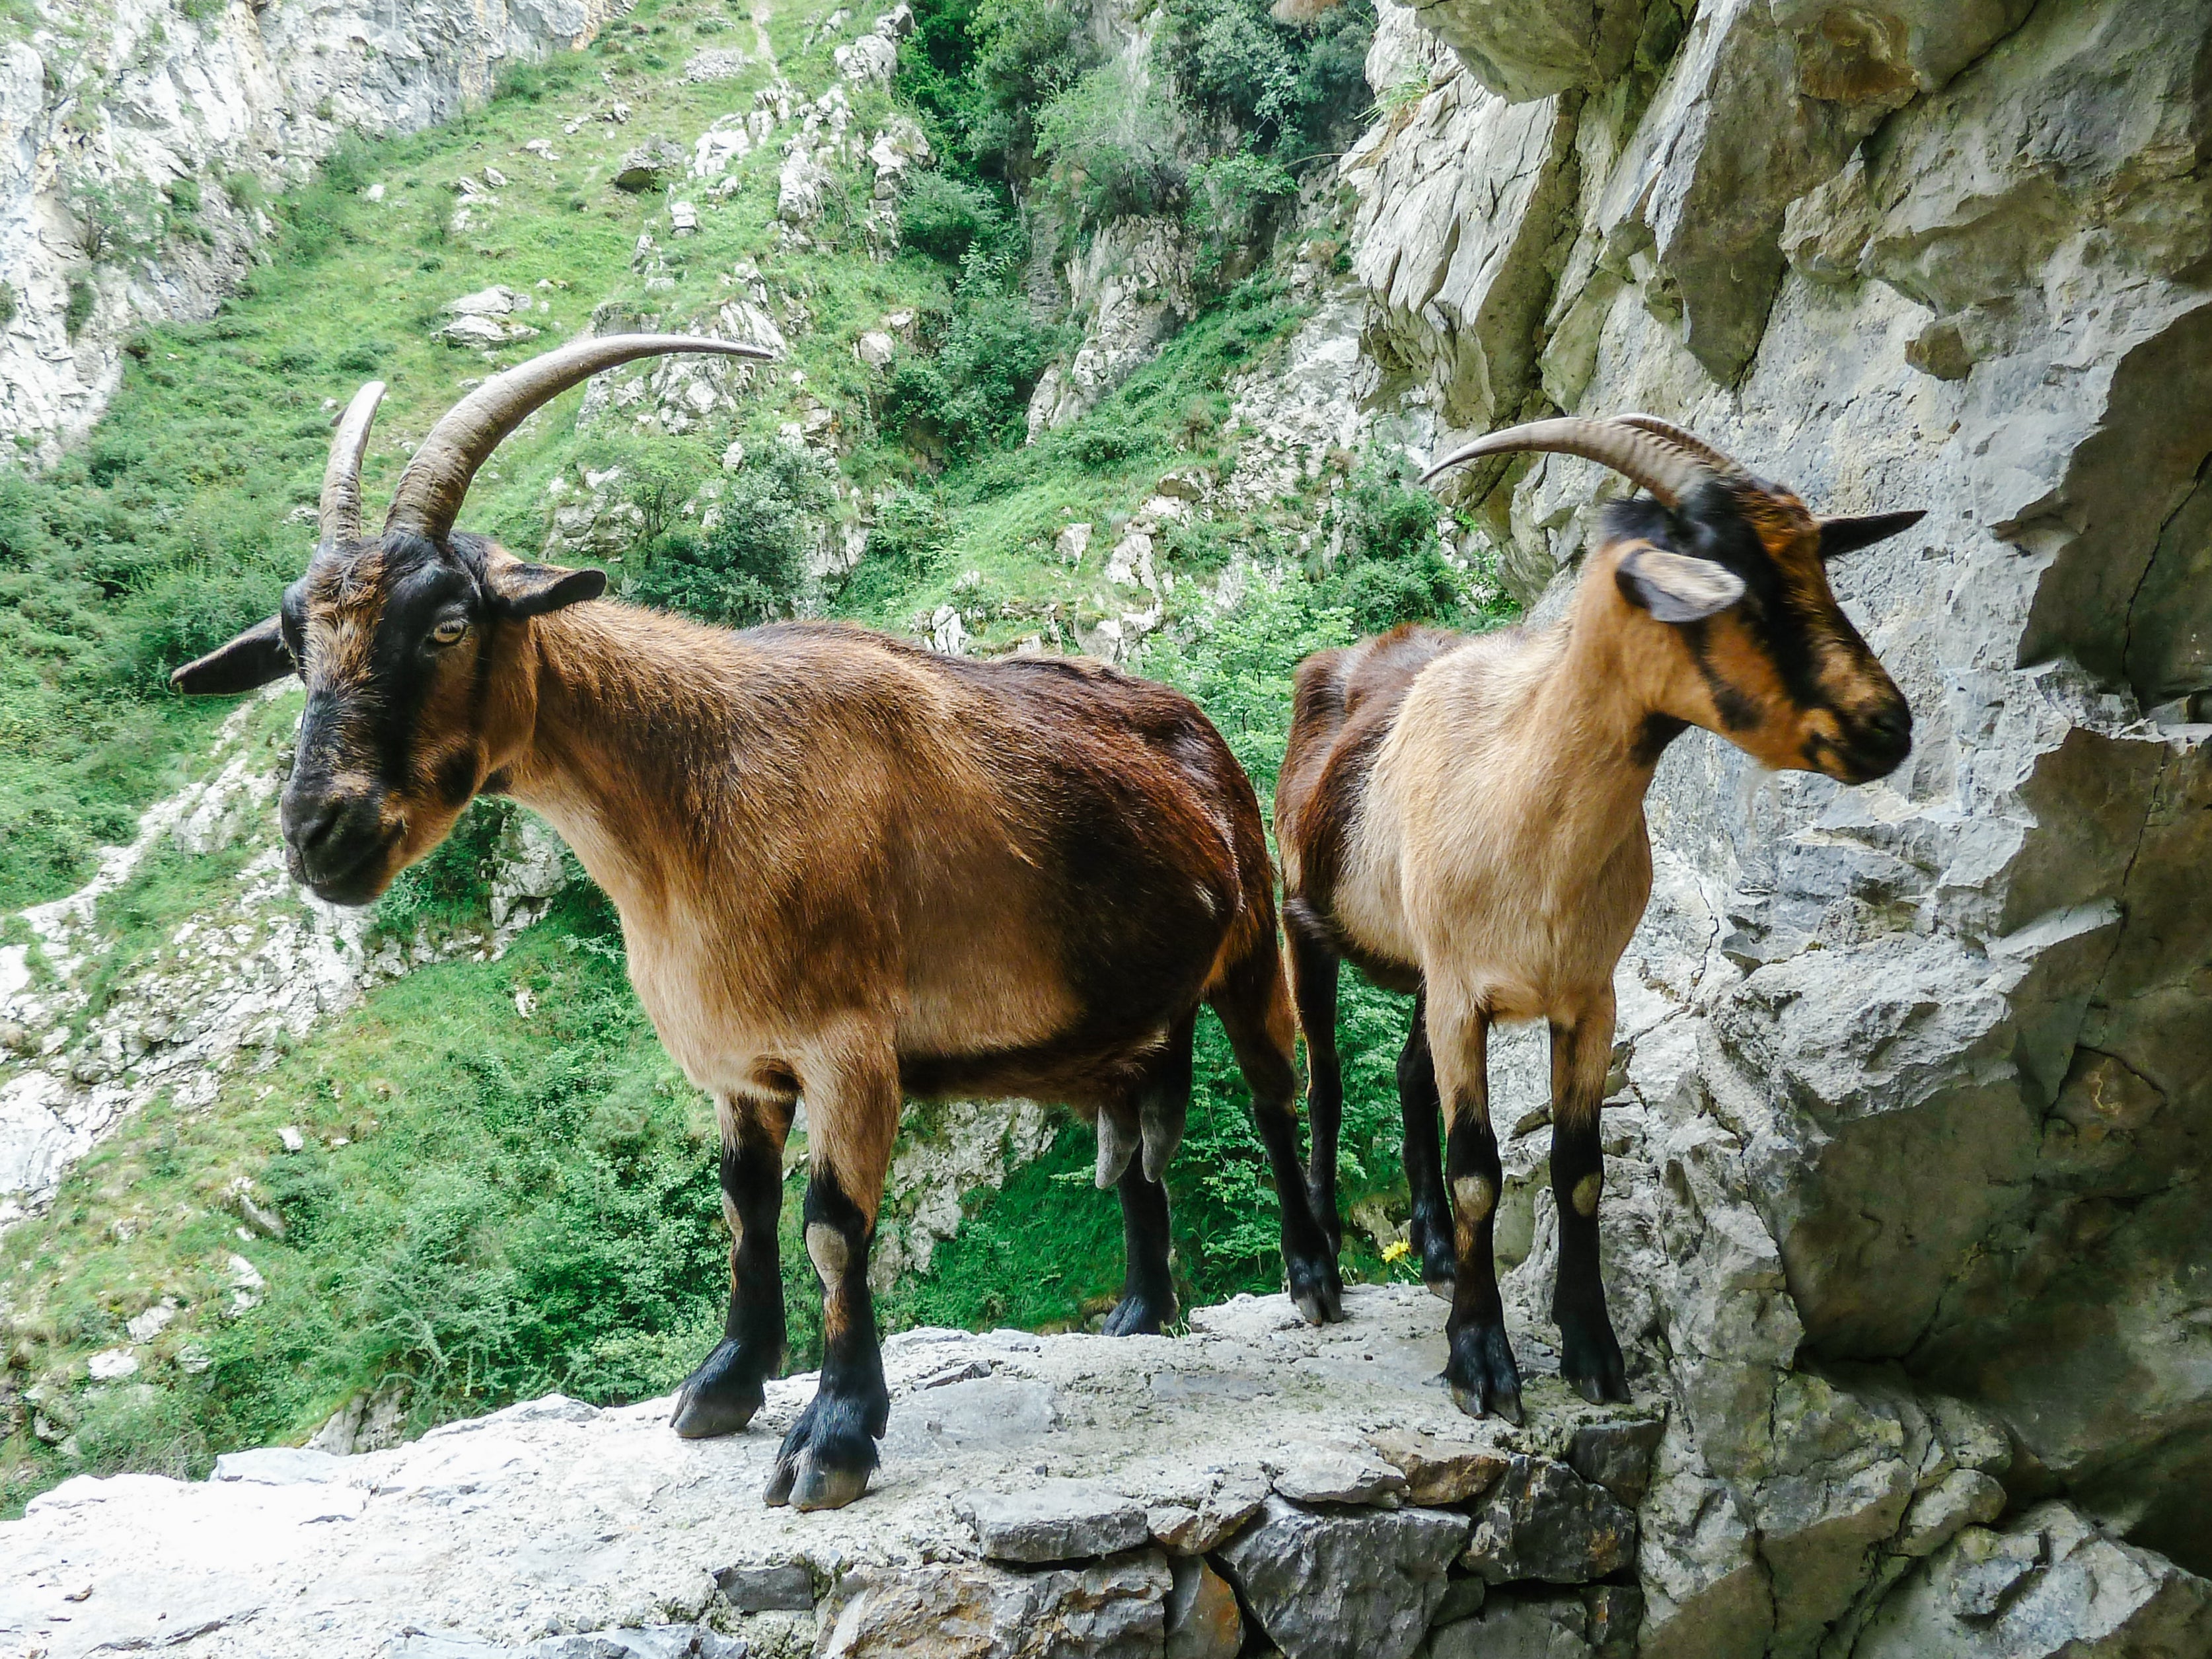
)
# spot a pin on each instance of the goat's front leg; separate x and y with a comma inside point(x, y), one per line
point(1589, 1355)
point(1480, 1370)
point(721, 1396)
point(851, 1117)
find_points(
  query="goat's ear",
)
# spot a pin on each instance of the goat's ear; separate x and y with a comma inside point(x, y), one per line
point(254, 659)
point(1675, 588)
point(1842, 536)
point(522, 589)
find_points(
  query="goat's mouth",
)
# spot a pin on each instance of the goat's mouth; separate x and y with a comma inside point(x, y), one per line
point(356, 878)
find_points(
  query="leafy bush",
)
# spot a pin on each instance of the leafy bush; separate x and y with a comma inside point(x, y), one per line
point(751, 567)
point(944, 217)
point(1232, 197)
point(1286, 86)
point(978, 73)
point(1396, 571)
point(971, 391)
point(82, 297)
point(1109, 140)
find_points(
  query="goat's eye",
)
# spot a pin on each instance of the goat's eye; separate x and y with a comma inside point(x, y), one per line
point(450, 631)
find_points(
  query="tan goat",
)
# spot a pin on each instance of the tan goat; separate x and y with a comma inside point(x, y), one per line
point(1463, 818)
point(848, 869)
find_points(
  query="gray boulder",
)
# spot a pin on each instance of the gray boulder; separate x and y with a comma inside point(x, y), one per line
point(649, 166)
point(1543, 1521)
point(1114, 1609)
point(1056, 1521)
point(1360, 1585)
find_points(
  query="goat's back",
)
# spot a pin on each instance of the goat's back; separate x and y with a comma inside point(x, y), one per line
point(1342, 705)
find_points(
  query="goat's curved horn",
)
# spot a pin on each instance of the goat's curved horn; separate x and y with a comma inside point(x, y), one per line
point(1688, 442)
point(338, 519)
point(1659, 467)
point(427, 497)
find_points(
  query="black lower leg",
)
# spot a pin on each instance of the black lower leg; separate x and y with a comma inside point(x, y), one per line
point(1309, 1261)
point(723, 1395)
point(1589, 1354)
point(1148, 1300)
point(1480, 1371)
point(1314, 970)
point(1430, 1225)
point(826, 1459)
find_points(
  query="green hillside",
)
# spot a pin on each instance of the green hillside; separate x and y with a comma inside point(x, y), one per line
point(488, 1205)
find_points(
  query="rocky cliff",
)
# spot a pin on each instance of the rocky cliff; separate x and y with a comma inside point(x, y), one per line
point(1912, 1104)
point(138, 138)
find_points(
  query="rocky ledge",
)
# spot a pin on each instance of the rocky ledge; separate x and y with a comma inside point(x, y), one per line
point(1253, 1486)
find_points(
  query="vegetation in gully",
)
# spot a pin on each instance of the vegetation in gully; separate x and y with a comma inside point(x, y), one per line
point(503, 1187)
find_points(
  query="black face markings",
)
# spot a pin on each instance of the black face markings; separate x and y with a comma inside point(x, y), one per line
point(1711, 523)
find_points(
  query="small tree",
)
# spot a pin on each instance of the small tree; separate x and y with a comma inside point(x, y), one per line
point(751, 567)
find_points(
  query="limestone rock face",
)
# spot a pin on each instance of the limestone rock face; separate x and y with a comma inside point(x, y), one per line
point(143, 93)
point(1909, 1114)
point(1524, 49)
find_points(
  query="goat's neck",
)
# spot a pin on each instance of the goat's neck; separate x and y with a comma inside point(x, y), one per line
point(1595, 725)
point(632, 707)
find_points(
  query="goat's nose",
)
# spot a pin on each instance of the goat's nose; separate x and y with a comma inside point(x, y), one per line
point(332, 836)
point(1882, 740)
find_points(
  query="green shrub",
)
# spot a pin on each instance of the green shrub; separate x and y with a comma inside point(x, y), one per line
point(144, 1430)
point(751, 567)
point(82, 297)
point(971, 390)
point(1286, 86)
point(1110, 143)
point(944, 217)
point(978, 74)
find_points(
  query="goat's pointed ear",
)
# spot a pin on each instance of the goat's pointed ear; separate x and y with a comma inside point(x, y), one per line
point(522, 589)
point(1842, 536)
point(1675, 588)
point(254, 659)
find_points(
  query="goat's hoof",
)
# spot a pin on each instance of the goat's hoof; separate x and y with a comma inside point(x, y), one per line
point(1439, 1265)
point(825, 1461)
point(1590, 1364)
point(1443, 1289)
point(1481, 1373)
point(719, 1398)
point(1318, 1294)
point(806, 1484)
point(1137, 1316)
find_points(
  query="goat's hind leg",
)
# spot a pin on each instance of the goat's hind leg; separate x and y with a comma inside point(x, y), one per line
point(1162, 1102)
point(1315, 968)
point(721, 1396)
point(1589, 1353)
point(1254, 1007)
point(825, 1461)
point(1430, 1228)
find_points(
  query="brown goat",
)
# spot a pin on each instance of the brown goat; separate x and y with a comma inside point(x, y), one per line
point(1463, 818)
point(848, 869)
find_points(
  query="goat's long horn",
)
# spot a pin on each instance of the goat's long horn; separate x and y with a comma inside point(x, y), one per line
point(338, 520)
point(1688, 442)
point(428, 495)
point(1659, 467)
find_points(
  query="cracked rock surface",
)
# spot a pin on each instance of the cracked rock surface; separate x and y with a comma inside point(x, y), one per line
point(1132, 1481)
